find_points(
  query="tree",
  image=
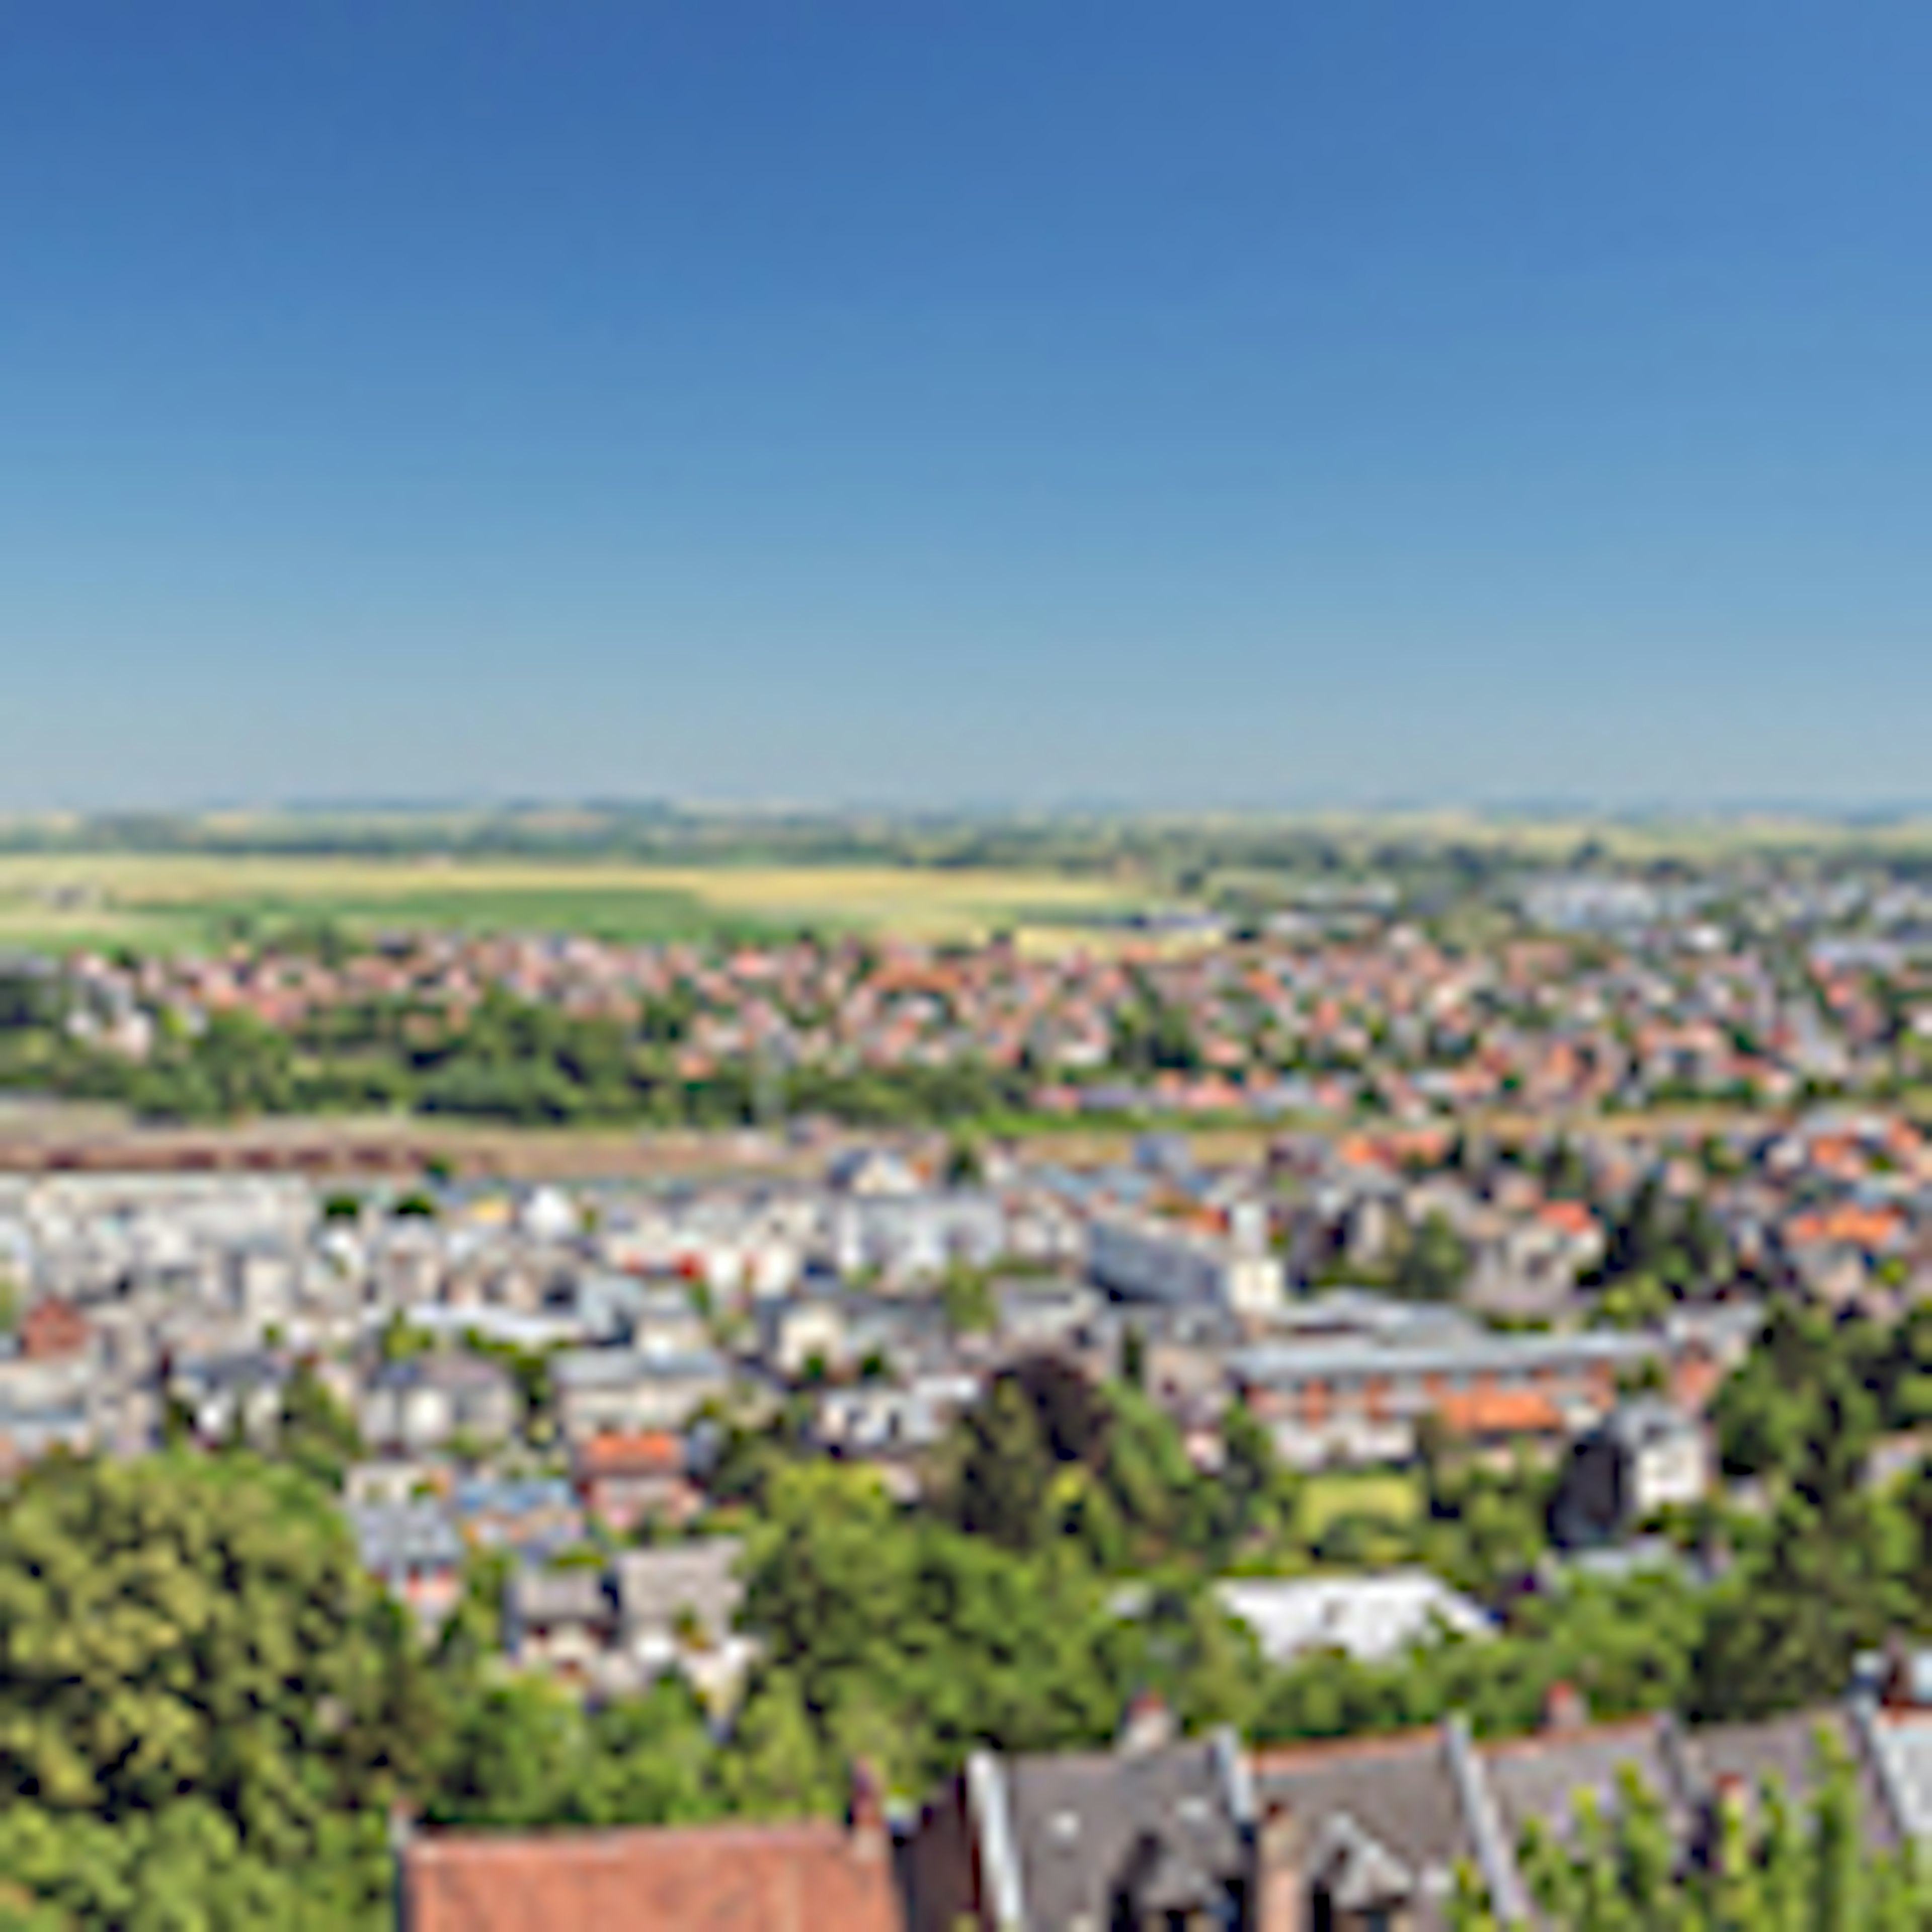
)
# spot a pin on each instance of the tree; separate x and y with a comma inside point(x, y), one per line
point(965, 1162)
point(318, 1435)
point(967, 1296)
point(776, 1766)
point(1434, 1263)
point(912, 1641)
point(1005, 1469)
point(1260, 1496)
point(189, 1655)
point(401, 1341)
point(1786, 1628)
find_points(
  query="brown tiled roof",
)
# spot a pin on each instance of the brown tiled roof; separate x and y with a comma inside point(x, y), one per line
point(725, 1878)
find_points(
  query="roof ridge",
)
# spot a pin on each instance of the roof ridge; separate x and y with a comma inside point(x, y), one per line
point(1525, 1742)
point(1270, 1759)
point(1495, 1856)
point(434, 1841)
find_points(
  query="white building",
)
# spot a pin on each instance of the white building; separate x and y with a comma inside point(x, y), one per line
point(1370, 1619)
point(1144, 1258)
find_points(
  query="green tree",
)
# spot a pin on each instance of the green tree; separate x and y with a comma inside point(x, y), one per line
point(318, 1435)
point(1005, 1469)
point(776, 1766)
point(966, 1294)
point(1619, 1871)
point(190, 1656)
point(1434, 1263)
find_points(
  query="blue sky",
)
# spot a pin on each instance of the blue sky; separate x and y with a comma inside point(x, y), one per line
point(974, 401)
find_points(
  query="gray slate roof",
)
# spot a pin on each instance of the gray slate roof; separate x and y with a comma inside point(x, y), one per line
point(1398, 1791)
point(1084, 1826)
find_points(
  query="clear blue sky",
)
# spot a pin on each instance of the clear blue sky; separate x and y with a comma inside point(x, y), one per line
point(965, 400)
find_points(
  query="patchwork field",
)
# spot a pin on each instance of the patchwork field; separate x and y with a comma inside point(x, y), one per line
point(57, 901)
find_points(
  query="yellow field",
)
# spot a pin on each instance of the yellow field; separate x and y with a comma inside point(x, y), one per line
point(160, 901)
point(1634, 840)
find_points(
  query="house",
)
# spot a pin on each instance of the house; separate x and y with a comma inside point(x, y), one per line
point(1144, 1258)
point(1152, 1835)
point(657, 1317)
point(677, 1606)
point(739, 1877)
point(1044, 1312)
point(802, 1331)
point(429, 1402)
point(1645, 1455)
point(395, 1479)
point(30, 1430)
point(1362, 1401)
point(561, 1620)
point(915, 1236)
point(883, 1419)
point(1369, 1618)
point(872, 1173)
point(238, 1392)
point(1368, 1834)
point(535, 1516)
point(414, 1550)
point(628, 1391)
point(624, 1478)
point(53, 1329)
point(262, 1276)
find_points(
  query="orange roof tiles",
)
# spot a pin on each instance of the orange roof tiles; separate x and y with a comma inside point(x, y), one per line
point(1848, 1226)
point(613, 1451)
point(1499, 1412)
point(1568, 1217)
point(797, 1877)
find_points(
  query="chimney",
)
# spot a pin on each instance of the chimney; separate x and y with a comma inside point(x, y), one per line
point(1564, 1709)
point(1278, 1882)
point(865, 1812)
point(402, 1836)
point(402, 1826)
point(1898, 1690)
point(1147, 1726)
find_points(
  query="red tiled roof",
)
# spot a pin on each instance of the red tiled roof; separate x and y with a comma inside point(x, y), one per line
point(615, 1453)
point(1568, 1217)
point(52, 1328)
point(804, 1877)
point(1500, 1412)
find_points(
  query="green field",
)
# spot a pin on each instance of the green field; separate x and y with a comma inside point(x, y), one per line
point(169, 902)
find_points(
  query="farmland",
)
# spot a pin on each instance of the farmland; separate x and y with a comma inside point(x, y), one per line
point(173, 902)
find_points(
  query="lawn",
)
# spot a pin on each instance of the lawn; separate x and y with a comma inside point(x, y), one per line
point(170, 902)
point(1394, 1494)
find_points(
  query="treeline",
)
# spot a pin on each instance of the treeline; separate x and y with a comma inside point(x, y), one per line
point(509, 1059)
